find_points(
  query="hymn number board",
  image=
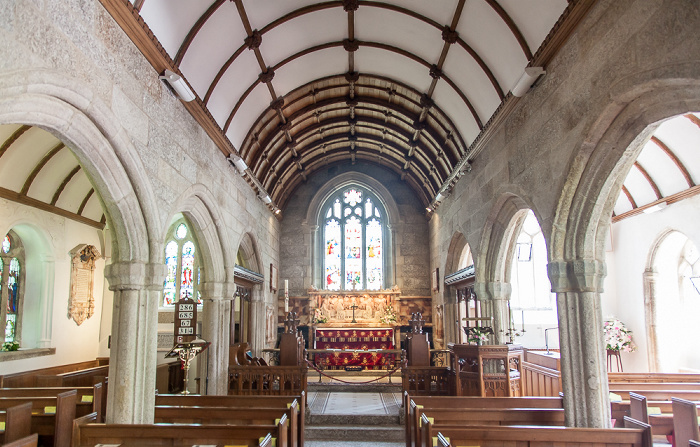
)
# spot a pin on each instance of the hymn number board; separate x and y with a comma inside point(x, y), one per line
point(185, 320)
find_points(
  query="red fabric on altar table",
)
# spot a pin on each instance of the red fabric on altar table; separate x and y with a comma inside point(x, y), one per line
point(361, 339)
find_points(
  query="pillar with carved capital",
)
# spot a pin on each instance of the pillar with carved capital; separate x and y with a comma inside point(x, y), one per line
point(216, 325)
point(578, 285)
point(137, 288)
point(496, 296)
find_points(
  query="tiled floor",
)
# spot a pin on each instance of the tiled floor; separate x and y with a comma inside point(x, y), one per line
point(354, 403)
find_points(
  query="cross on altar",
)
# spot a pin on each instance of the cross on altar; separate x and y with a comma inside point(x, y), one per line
point(353, 307)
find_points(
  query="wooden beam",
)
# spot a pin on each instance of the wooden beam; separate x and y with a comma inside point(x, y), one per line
point(38, 204)
point(677, 197)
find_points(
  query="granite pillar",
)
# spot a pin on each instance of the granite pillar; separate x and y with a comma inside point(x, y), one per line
point(578, 285)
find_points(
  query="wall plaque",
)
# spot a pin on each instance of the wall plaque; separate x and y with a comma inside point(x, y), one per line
point(81, 304)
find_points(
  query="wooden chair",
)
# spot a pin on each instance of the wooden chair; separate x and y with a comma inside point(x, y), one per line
point(685, 422)
point(27, 441)
point(638, 408)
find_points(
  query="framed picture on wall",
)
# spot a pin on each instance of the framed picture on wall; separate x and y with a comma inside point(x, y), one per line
point(273, 278)
point(436, 280)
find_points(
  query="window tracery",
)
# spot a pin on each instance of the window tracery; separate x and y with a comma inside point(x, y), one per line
point(183, 271)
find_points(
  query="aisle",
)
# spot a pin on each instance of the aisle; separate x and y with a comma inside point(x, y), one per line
point(354, 415)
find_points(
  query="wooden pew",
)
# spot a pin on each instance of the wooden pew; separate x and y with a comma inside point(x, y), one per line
point(685, 422)
point(638, 408)
point(27, 441)
point(56, 425)
point(29, 378)
point(640, 387)
point(660, 395)
point(412, 403)
point(451, 417)
point(618, 377)
point(634, 423)
point(127, 435)
point(492, 436)
point(89, 399)
point(242, 415)
point(237, 401)
point(17, 421)
point(82, 377)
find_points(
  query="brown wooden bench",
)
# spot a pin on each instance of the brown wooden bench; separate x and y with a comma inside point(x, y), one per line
point(27, 441)
point(26, 379)
point(50, 426)
point(653, 377)
point(89, 399)
point(450, 417)
point(510, 436)
point(685, 422)
point(238, 401)
point(240, 415)
point(660, 395)
point(412, 417)
point(127, 435)
point(640, 387)
point(82, 377)
point(17, 422)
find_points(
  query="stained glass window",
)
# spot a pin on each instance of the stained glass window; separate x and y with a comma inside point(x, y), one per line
point(11, 283)
point(183, 273)
point(353, 234)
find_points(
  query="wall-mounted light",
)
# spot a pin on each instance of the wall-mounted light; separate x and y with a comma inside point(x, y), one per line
point(277, 210)
point(526, 80)
point(429, 209)
point(265, 198)
point(654, 208)
point(179, 85)
point(238, 162)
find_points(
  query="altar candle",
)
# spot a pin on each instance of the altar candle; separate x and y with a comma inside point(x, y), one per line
point(523, 317)
point(286, 296)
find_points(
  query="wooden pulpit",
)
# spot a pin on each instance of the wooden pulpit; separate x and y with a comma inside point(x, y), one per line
point(487, 370)
point(417, 344)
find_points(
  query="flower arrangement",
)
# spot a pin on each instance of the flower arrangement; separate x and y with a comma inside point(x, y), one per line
point(318, 316)
point(389, 315)
point(478, 334)
point(10, 346)
point(617, 336)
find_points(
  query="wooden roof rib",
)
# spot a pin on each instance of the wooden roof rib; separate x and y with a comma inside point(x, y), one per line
point(435, 122)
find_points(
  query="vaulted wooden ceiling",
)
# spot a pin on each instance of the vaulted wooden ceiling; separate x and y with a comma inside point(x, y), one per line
point(292, 86)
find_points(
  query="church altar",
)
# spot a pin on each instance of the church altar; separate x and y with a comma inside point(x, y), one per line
point(362, 345)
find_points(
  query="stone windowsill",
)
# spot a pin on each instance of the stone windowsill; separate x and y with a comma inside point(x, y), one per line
point(25, 354)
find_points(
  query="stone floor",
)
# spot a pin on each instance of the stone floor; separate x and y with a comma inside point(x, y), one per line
point(354, 415)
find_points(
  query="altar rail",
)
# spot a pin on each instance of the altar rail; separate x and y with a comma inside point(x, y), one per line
point(267, 380)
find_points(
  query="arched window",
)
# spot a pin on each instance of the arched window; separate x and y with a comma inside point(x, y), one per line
point(11, 284)
point(354, 229)
point(531, 289)
point(183, 265)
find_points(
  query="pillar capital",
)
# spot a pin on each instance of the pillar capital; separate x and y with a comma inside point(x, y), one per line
point(579, 275)
point(135, 276)
point(492, 290)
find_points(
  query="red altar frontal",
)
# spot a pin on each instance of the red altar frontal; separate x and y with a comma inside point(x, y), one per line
point(354, 339)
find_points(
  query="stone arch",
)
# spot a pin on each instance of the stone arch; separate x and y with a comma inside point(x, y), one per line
point(454, 251)
point(69, 110)
point(249, 250)
point(198, 206)
point(495, 254)
point(72, 112)
point(583, 216)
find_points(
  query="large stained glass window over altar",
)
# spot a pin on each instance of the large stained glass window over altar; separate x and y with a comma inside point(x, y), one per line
point(182, 264)
point(353, 232)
